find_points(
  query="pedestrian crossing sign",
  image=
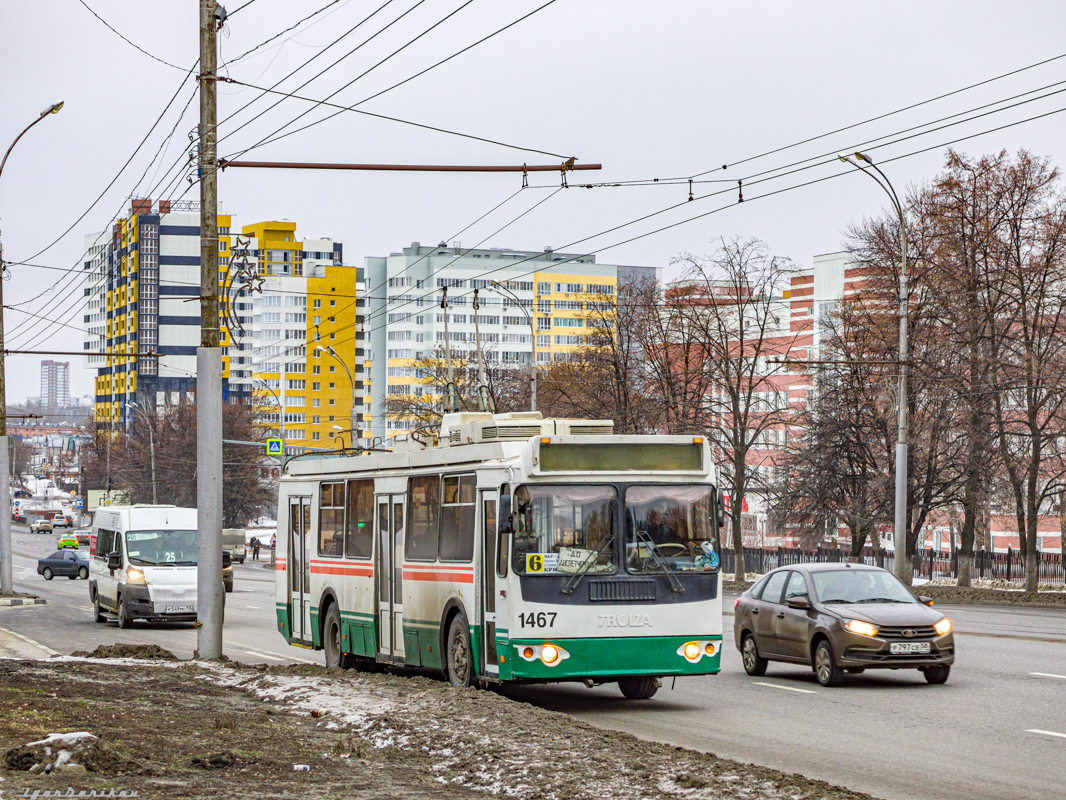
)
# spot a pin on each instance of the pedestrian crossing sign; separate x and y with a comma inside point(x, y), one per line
point(273, 447)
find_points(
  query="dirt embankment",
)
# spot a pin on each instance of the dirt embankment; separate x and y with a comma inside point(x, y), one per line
point(176, 729)
point(955, 595)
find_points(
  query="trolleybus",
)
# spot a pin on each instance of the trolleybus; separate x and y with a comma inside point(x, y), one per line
point(511, 549)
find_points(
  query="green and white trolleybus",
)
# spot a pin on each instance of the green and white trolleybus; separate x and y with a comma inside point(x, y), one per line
point(511, 549)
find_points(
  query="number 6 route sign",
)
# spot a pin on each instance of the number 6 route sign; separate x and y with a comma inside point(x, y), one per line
point(273, 447)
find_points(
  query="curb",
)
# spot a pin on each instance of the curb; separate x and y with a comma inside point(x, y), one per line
point(22, 601)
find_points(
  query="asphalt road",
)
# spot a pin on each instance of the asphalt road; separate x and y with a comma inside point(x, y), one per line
point(65, 624)
point(997, 729)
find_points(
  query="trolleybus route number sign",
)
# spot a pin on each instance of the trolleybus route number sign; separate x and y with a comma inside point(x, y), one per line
point(542, 562)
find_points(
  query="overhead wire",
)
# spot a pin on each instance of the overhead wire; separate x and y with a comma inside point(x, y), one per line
point(127, 41)
point(396, 85)
point(295, 25)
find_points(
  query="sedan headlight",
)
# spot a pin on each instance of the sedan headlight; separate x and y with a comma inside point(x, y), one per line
point(942, 627)
point(859, 626)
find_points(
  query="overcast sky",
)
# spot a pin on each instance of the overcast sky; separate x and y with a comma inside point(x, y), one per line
point(648, 89)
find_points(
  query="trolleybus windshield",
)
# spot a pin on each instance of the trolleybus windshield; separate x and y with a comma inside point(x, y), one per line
point(564, 529)
point(670, 528)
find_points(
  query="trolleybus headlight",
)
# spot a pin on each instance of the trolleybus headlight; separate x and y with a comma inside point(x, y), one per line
point(942, 627)
point(549, 654)
point(692, 652)
point(528, 653)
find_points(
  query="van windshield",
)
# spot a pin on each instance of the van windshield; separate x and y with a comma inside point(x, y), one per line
point(170, 548)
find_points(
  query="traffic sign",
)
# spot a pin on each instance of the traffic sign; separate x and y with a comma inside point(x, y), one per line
point(273, 447)
point(78, 503)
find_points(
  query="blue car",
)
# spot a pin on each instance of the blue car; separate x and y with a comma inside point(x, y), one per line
point(71, 563)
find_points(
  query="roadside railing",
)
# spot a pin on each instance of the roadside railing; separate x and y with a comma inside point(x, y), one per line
point(930, 564)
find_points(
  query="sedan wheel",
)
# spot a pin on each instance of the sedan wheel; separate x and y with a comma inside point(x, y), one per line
point(83, 573)
point(47, 573)
point(754, 664)
point(825, 668)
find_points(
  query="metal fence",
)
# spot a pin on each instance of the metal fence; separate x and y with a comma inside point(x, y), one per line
point(930, 564)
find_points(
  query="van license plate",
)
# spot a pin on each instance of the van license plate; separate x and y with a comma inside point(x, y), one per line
point(178, 610)
point(908, 648)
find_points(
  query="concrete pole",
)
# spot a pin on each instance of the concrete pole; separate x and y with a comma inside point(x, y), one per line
point(209, 589)
point(6, 585)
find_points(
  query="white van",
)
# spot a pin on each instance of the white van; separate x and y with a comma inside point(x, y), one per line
point(142, 563)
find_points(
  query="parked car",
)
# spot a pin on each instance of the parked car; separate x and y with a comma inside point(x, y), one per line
point(40, 526)
point(63, 521)
point(83, 537)
point(71, 563)
point(67, 540)
point(841, 618)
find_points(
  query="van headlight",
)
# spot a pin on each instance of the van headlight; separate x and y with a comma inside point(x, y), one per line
point(134, 575)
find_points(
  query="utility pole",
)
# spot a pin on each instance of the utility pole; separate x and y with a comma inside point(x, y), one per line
point(209, 590)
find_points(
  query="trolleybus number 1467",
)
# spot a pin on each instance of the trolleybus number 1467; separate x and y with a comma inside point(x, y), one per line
point(542, 619)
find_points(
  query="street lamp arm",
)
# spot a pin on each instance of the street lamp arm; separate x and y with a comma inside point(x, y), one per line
point(52, 109)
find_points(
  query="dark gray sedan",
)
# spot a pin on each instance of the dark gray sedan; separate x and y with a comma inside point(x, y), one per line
point(69, 563)
point(841, 618)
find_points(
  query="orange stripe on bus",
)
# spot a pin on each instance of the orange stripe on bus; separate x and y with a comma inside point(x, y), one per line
point(457, 577)
point(362, 573)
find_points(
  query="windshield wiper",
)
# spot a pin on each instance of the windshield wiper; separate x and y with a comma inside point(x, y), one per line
point(827, 602)
point(644, 538)
point(588, 564)
point(880, 600)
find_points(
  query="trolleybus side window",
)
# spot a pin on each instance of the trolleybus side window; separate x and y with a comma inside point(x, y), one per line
point(331, 520)
point(457, 518)
point(670, 528)
point(564, 529)
point(423, 512)
point(359, 537)
point(502, 541)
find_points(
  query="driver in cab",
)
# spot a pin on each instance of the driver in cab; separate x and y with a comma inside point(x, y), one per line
point(658, 531)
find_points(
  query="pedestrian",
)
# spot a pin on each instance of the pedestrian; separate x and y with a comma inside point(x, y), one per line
point(255, 548)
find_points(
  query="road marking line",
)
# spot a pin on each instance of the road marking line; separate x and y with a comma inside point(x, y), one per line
point(786, 688)
point(254, 608)
point(276, 657)
point(83, 608)
point(1046, 733)
point(1048, 675)
point(263, 655)
point(30, 641)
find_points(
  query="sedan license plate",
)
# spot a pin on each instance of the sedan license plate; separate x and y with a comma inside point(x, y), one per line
point(178, 610)
point(908, 648)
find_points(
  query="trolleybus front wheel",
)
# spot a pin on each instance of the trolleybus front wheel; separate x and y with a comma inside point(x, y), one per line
point(331, 638)
point(638, 688)
point(460, 666)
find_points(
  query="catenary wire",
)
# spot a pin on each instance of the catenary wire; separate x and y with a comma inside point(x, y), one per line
point(127, 41)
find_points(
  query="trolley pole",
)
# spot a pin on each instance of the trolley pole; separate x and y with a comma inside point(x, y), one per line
point(209, 590)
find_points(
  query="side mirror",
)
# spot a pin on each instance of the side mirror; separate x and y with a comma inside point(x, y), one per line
point(925, 599)
point(114, 561)
point(506, 522)
point(227, 559)
point(798, 601)
point(721, 508)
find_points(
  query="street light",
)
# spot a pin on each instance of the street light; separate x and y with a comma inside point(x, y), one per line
point(904, 570)
point(6, 584)
point(533, 339)
point(151, 443)
point(328, 349)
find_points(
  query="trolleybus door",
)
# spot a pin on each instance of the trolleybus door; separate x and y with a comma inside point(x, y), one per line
point(299, 568)
point(390, 575)
point(489, 590)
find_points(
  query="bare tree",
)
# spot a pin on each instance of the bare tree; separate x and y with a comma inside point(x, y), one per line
point(737, 314)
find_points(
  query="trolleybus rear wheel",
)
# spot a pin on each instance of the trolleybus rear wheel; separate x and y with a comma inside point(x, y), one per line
point(460, 665)
point(638, 688)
